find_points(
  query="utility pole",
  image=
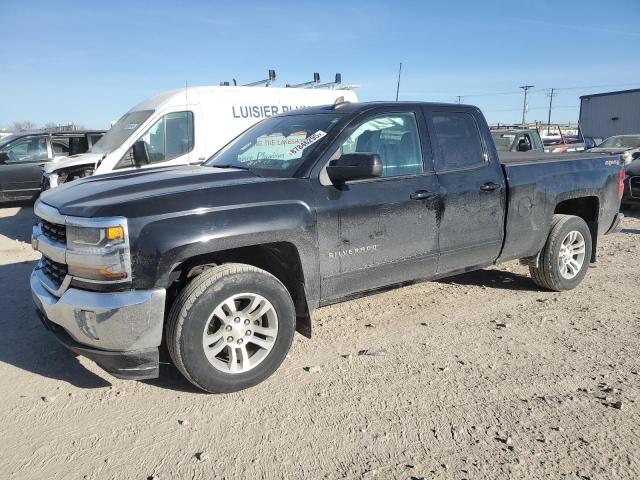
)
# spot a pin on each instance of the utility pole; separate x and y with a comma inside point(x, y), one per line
point(524, 105)
point(398, 87)
point(551, 95)
point(459, 97)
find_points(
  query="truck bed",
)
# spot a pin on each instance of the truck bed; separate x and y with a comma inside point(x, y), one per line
point(539, 182)
point(521, 158)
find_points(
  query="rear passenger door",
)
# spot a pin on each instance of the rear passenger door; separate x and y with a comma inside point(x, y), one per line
point(472, 190)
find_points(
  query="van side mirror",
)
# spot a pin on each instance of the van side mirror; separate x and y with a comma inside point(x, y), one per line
point(4, 157)
point(140, 153)
point(354, 166)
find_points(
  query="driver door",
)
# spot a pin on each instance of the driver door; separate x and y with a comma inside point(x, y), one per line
point(382, 231)
point(21, 174)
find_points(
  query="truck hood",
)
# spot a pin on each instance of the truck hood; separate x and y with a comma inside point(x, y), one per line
point(72, 161)
point(145, 192)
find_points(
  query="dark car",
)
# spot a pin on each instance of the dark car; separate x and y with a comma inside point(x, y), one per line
point(628, 147)
point(517, 140)
point(24, 154)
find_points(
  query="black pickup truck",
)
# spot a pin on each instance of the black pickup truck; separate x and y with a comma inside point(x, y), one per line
point(222, 263)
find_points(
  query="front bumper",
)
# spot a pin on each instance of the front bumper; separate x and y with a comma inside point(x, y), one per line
point(120, 331)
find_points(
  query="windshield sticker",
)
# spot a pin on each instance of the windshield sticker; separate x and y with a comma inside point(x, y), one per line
point(131, 126)
point(310, 140)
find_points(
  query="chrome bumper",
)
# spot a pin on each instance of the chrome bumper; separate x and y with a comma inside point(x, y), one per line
point(118, 321)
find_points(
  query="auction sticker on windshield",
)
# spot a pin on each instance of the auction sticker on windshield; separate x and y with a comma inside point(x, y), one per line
point(310, 140)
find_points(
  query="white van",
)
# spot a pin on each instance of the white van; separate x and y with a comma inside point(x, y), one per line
point(185, 126)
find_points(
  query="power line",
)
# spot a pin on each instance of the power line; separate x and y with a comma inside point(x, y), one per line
point(547, 89)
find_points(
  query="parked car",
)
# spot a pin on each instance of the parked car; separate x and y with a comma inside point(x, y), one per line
point(24, 154)
point(628, 147)
point(175, 127)
point(517, 140)
point(226, 260)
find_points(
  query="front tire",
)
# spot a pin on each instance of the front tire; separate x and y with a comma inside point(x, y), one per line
point(564, 259)
point(230, 328)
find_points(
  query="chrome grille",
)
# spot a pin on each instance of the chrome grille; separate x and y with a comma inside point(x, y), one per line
point(54, 231)
point(634, 184)
point(54, 270)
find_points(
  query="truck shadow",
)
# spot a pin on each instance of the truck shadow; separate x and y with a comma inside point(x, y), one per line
point(25, 343)
point(171, 379)
point(493, 279)
point(16, 222)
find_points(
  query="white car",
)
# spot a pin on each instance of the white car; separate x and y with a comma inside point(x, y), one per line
point(186, 126)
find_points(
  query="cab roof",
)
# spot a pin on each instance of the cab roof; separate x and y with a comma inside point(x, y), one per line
point(350, 108)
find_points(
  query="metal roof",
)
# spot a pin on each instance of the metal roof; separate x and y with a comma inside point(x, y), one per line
point(610, 93)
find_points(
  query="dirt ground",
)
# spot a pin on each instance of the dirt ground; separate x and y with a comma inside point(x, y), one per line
point(485, 376)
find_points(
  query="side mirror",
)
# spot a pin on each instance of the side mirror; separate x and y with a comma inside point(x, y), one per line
point(140, 153)
point(4, 157)
point(354, 166)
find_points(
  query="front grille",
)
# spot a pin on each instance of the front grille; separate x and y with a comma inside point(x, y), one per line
point(54, 231)
point(634, 183)
point(54, 270)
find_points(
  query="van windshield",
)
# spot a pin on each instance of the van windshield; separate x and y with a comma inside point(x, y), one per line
point(276, 146)
point(120, 131)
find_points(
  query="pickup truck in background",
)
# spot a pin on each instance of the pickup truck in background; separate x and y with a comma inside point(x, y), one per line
point(517, 140)
point(23, 155)
point(223, 262)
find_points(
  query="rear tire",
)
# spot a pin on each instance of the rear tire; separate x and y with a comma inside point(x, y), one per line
point(230, 328)
point(564, 259)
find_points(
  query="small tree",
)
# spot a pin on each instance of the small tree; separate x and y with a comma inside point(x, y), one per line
point(19, 126)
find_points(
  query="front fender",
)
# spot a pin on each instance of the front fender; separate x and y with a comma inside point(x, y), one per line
point(165, 242)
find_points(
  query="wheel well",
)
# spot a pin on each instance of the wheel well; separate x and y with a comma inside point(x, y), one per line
point(587, 208)
point(281, 259)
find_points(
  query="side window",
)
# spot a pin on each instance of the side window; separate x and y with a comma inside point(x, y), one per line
point(168, 138)
point(27, 149)
point(179, 132)
point(60, 147)
point(154, 138)
point(392, 136)
point(458, 139)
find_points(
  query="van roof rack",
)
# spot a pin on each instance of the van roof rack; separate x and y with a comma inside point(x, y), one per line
point(266, 82)
point(312, 84)
point(315, 83)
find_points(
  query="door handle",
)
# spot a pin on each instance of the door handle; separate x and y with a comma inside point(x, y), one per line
point(422, 195)
point(489, 187)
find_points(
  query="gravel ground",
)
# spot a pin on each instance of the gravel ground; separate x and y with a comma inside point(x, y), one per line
point(479, 376)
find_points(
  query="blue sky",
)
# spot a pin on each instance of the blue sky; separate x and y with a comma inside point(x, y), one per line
point(89, 62)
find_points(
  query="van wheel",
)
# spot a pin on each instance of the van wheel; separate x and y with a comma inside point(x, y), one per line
point(565, 257)
point(230, 328)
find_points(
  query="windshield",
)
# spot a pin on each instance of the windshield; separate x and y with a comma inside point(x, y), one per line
point(8, 139)
point(503, 141)
point(621, 142)
point(120, 131)
point(276, 146)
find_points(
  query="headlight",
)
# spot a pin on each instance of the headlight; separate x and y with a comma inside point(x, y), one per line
point(99, 253)
point(626, 157)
